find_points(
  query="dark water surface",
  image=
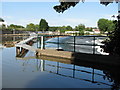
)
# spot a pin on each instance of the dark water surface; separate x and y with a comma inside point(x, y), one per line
point(37, 73)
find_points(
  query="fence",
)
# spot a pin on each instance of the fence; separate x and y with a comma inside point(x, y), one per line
point(42, 39)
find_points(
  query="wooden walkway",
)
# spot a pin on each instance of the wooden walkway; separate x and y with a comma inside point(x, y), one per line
point(28, 47)
point(22, 44)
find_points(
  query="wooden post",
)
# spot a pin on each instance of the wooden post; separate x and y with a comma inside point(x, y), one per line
point(42, 64)
point(42, 43)
point(17, 51)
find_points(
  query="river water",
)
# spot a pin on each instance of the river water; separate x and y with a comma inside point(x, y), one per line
point(36, 73)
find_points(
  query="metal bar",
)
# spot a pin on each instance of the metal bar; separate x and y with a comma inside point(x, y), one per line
point(94, 45)
point(57, 67)
point(74, 43)
point(73, 70)
point(58, 42)
point(93, 76)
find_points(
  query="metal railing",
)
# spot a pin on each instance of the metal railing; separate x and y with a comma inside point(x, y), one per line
point(74, 43)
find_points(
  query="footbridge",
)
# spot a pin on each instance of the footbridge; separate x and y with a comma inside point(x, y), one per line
point(25, 45)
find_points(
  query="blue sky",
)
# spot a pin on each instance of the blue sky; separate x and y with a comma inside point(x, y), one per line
point(88, 13)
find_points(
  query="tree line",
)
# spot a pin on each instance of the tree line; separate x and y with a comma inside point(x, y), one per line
point(103, 24)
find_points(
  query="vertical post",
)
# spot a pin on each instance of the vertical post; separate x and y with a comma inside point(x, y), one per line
point(93, 44)
point(73, 70)
point(37, 41)
point(42, 43)
point(58, 43)
point(57, 67)
point(17, 51)
point(42, 64)
point(93, 76)
point(74, 43)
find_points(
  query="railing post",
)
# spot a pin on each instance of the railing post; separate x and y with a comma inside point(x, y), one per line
point(37, 41)
point(93, 44)
point(58, 42)
point(73, 70)
point(74, 43)
point(42, 43)
point(42, 62)
point(93, 76)
point(57, 67)
point(17, 51)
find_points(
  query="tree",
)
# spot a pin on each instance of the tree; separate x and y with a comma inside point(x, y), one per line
point(12, 26)
point(80, 27)
point(69, 28)
point(43, 25)
point(52, 28)
point(32, 27)
point(66, 4)
point(106, 25)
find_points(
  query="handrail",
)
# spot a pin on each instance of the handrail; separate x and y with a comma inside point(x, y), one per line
point(74, 41)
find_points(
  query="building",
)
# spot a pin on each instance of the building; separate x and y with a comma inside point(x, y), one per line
point(96, 31)
point(70, 32)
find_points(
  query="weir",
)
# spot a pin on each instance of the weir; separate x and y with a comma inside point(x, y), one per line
point(25, 45)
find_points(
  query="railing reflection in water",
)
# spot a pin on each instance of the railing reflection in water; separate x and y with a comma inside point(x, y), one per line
point(58, 68)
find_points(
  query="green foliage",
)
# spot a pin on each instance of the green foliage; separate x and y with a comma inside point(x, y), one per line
point(106, 25)
point(12, 26)
point(69, 28)
point(61, 29)
point(88, 29)
point(53, 28)
point(43, 25)
point(2, 27)
point(32, 27)
point(80, 27)
point(66, 4)
point(113, 45)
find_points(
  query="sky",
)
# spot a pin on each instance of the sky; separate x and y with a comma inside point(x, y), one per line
point(88, 13)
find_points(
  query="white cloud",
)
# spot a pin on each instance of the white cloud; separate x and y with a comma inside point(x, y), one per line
point(7, 17)
point(109, 16)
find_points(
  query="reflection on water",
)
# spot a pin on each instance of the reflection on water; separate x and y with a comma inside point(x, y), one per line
point(36, 73)
point(33, 72)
